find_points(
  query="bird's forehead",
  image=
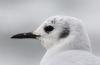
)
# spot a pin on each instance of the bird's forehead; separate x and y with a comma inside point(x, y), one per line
point(55, 20)
point(62, 21)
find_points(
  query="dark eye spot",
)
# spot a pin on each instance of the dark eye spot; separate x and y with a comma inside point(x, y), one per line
point(48, 29)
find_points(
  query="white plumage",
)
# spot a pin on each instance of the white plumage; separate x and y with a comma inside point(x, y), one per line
point(66, 42)
point(73, 48)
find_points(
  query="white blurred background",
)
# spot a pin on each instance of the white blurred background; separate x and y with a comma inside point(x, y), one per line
point(18, 16)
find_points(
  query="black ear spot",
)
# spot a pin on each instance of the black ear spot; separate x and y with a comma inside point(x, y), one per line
point(64, 33)
point(48, 29)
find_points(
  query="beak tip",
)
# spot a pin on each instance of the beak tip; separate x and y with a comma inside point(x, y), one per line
point(13, 37)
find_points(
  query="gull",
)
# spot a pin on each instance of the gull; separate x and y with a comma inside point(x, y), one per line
point(66, 42)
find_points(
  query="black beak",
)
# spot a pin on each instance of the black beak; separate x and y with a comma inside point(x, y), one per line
point(25, 35)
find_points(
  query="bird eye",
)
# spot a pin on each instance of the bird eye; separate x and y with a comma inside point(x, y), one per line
point(48, 29)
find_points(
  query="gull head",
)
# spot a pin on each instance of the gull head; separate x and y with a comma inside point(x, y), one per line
point(63, 32)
